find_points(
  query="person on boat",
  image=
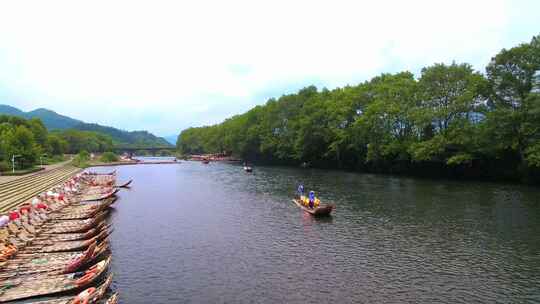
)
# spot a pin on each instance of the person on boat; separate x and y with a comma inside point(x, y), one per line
point(4, 220)
point(311, 199)
point(300, 191)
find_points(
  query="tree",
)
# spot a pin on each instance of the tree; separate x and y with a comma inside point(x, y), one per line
point(109, 157)
point(513, 76)
point(56, 145)
point(451, 116)
point(387, 120)
point(451, 97)
point(24, 145)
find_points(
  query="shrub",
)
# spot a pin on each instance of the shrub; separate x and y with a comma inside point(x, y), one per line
point(109, 157)
point(81, 159)
point(5, 166)
point(84, 155)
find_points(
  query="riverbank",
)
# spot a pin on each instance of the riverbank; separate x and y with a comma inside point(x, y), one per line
point(44, 169)
point(22, 172)
point(126, 163)
point(18, 189)
point(212, 157)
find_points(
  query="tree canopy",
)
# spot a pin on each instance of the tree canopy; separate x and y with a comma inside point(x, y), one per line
point(451, 119)
point(28, 140)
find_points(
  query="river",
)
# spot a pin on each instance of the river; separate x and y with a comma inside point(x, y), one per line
point(195, 233)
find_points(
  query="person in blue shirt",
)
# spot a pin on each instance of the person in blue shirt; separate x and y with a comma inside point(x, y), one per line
point(300, 191)
point(311, 199)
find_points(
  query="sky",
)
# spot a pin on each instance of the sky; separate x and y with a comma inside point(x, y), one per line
point(164, 66)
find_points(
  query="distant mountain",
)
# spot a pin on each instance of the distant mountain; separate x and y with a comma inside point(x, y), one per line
point(124, 138)
point(171, 139)
point(9, 110)
point(55, 121)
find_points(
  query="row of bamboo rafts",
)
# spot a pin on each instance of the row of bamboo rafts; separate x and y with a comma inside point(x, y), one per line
point(56, 245)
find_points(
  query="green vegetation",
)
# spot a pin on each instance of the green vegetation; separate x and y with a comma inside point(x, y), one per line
point(83, 140)
point(120, 138)
point(49, 160)
point(451, 121)
point(25, 139)
point(31, 143)
point(137, 139)
point(142, 153)
point(81, 160)
point(164, 153)
point(109, 157)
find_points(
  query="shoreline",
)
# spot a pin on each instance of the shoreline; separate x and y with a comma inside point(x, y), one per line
point(115, 164)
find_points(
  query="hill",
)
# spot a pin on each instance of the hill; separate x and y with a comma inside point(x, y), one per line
point(171, 139)
point(55, 121)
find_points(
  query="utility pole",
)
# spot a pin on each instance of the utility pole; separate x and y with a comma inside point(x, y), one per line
point(41, 159)
point(13, 161)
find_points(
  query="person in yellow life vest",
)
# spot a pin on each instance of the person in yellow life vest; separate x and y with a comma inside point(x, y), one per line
point(305, 201)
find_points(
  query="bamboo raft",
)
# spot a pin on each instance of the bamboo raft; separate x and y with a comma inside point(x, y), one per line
point(323, 210)
point(59, 246)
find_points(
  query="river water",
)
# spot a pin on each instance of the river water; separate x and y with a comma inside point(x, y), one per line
point(195, 233)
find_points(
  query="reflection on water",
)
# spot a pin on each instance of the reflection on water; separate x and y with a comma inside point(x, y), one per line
point(194, 233)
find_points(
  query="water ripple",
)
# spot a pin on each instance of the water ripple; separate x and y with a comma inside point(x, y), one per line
point(194, 233)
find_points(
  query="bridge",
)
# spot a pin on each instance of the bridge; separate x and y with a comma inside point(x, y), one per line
point(150, 150)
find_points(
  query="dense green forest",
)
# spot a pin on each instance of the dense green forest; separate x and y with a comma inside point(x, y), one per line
point(140, 139)
point(30, 140)
point(449, 121)
point(54, 121)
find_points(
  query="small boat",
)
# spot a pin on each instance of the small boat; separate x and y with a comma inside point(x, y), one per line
point(98, 173)
point(84, 211)
point(124, 185)
point(73, 226)
point(113, 299)
point(206, 161)
point(18, 289)
point(90, 295)
point(66, 246)
point(322, 210)
point(64, 237)
point(248, 169)
point(52, 263)
point(94, 197)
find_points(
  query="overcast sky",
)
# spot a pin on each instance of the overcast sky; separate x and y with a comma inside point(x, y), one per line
point(167, 65)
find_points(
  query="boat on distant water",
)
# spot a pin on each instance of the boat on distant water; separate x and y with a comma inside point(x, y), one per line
point(248, 169)
point(205, 161)
point(322, 210)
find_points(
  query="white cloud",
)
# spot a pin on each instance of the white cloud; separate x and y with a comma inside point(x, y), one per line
point(165, 65)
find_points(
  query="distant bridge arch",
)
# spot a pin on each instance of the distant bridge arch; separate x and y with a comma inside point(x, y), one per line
point(151, 150)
